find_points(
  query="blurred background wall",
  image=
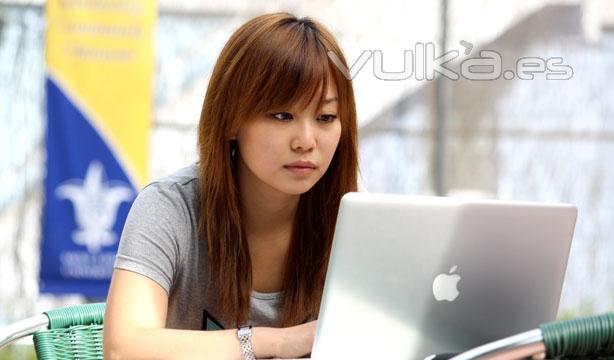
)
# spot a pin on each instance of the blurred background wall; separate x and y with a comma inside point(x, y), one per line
point(538, 140)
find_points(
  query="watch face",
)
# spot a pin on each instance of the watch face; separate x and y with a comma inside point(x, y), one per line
point(245, 331)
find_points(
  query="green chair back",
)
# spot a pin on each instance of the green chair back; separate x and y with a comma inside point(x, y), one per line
point(74, 332)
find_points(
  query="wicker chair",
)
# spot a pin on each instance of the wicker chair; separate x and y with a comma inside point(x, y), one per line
point(73, 332)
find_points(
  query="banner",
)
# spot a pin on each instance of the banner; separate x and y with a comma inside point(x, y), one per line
point(100, 63)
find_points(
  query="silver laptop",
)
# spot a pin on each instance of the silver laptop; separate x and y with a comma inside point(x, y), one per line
point(412, 276)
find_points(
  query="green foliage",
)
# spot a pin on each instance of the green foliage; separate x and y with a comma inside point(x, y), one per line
point(18, 352)
point(586, 308)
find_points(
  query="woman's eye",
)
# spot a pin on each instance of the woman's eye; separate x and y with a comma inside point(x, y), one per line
point(283, 116)
point(327, 118)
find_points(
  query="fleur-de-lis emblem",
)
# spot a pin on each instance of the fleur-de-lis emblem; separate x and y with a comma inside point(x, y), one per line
point(95, 204)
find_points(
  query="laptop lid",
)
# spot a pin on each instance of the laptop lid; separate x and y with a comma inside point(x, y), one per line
point(413, 276)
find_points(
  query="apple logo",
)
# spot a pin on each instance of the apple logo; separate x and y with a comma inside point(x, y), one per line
point(445, 286)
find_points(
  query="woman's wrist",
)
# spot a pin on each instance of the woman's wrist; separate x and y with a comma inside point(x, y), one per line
point(265, 341)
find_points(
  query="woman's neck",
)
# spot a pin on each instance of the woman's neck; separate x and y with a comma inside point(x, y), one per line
point(268, 218)
point(267, 213)
point(268, 230)
point(265, 218)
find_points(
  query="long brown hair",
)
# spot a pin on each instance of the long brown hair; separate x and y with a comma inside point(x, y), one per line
point(272, 61)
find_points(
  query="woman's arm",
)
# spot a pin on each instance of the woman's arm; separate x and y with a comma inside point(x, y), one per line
point(134, 329)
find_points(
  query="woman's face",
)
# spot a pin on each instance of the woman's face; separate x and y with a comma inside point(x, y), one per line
point(289, 150)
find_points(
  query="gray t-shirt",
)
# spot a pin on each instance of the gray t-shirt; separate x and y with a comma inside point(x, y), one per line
point(160, 241)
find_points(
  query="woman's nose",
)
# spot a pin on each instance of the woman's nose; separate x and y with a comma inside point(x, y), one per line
point(304, 137)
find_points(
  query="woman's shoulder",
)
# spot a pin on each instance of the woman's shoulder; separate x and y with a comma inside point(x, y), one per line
point(160, 229)
point(185, 177)
point(184, 180)
point(179, 189)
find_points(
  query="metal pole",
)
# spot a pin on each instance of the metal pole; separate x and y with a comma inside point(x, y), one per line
point(439, 148)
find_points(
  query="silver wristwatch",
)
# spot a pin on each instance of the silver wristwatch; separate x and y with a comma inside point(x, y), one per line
point(245, 338)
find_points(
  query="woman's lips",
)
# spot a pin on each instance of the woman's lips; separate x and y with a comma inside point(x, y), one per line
point(302, 164)
point(300, 170)
point(301, 167)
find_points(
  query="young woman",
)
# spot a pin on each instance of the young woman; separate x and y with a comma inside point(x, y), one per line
point(242, 238)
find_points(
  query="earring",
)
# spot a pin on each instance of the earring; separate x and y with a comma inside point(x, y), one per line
point(233, 147)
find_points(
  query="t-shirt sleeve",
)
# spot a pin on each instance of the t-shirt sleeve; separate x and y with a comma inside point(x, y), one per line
point(154, 228)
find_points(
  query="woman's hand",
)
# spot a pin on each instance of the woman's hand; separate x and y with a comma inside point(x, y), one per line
point(296, 341)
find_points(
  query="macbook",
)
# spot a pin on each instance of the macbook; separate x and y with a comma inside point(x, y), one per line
point(412, 276)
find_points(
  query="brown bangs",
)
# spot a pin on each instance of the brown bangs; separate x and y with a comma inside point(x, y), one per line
point(296, 68)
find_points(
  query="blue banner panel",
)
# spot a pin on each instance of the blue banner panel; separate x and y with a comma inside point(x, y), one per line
point(87, 198)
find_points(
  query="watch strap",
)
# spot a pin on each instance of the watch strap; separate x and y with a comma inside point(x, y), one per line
point(244, 334)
